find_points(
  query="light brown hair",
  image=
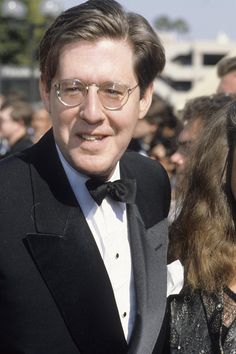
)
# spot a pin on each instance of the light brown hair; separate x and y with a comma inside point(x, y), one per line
point(203, 235)
point(96, 19)
point(20, 110)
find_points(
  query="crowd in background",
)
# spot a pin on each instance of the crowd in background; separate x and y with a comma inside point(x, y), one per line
point(21, 124)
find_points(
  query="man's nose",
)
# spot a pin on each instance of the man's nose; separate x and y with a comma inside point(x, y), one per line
point(91, 108)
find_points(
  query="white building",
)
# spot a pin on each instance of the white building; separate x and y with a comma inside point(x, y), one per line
point(191, 67)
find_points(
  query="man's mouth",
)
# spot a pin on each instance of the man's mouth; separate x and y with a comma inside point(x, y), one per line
point(88, 137)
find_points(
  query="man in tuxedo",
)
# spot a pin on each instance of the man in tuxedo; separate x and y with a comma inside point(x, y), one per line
point(79, 272)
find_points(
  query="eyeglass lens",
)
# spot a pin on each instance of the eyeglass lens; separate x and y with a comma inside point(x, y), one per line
point(112, 95)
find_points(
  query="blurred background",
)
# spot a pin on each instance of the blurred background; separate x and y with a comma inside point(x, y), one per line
point(196, 35)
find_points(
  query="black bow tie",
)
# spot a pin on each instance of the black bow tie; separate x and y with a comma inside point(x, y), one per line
point(121, 190)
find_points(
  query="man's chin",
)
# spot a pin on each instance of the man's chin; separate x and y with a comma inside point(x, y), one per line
point(96, 171)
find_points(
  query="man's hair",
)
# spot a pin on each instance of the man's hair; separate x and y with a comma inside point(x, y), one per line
point(20, 110)
point(225, 66)
point(97, 19)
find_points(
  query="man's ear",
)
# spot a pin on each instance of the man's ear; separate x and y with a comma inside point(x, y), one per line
point(145, 101)
point(45, 94)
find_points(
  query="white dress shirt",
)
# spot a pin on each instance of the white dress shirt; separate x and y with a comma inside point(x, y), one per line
point(108, 224)
point(175, 277)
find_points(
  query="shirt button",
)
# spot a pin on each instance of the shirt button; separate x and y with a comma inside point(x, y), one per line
point(124, 314)
point(117, 255)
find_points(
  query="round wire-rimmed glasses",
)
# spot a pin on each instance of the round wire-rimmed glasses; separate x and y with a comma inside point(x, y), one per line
point(112, 95)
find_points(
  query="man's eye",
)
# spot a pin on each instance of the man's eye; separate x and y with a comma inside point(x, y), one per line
point(112, 92)
point(73, 89)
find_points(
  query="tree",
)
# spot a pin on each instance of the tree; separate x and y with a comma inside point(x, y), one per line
point(181, 26)
point(19, 38)
point(164, 23)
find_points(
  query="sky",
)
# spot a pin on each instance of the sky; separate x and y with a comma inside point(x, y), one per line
point(206, 18)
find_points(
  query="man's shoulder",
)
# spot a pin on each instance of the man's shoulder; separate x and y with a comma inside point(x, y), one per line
point(149, 174)
point(13, 170)
point(10, 163)
point(138, 160)
point(153, 187)
point(37, 154)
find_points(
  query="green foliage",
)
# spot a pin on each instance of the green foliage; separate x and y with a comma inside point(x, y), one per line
point(20, 38)
point(181, 26)
point(164, 23)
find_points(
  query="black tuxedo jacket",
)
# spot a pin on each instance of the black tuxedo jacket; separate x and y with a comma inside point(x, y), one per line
point(55, 294)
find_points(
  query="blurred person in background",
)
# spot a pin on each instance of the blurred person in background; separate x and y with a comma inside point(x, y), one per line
point(202, 318)
point(226, 71)
point(40, 123)
point(15, 119)
point(3, 141)
point(2, 98)
point(160, 118)
point(164, 142)
point(161, 149)
point(3, 145)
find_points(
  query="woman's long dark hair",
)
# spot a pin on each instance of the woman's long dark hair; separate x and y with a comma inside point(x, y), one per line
point(203, 235)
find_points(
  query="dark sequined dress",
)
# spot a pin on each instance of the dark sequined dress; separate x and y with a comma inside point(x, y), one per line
point(202, 323)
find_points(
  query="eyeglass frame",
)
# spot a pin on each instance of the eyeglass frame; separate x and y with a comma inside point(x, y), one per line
point(129, 91)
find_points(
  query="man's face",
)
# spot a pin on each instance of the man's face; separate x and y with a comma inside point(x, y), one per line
point(228, 83)
point(8, 126)
point(91, 137)
point(188, 135)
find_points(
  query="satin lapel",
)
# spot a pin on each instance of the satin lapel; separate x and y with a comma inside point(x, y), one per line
point(68, 259)
point(148, 249)
point(75, 275)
